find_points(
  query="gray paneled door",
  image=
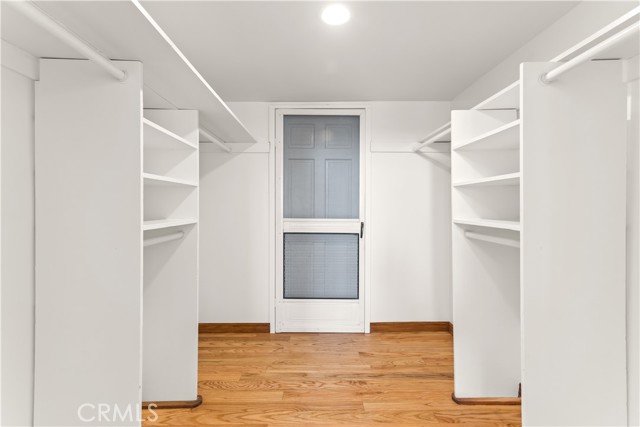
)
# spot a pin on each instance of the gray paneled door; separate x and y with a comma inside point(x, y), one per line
point(320, 240)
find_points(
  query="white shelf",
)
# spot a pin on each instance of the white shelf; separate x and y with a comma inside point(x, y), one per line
point(504, 241)
point(506, 137)
point(489, 223)
point(159, 224)
point(507, 99)
point(158, 138)
point(498, 180)
point(159, 180)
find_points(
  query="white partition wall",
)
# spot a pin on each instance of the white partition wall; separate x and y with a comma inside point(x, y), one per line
point(109, 183)
point(170, 333)
point(538, 199)
point(486, 271)
point(573, 246)
point(88, 243)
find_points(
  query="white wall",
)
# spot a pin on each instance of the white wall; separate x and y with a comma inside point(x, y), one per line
point(410, 229)
point(633, 252)
point(582, 21)
point(410, 221)
point(234, 239)
point(234, 228)
point(410, 236)
point(18, 247)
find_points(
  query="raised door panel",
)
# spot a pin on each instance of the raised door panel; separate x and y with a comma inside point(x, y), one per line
point(301, 188)
point(339, 188)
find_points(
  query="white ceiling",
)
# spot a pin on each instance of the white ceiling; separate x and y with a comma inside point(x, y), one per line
point(120, 31)
point(390, 50)
point(282, 51)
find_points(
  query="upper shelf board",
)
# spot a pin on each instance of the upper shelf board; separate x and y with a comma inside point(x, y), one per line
point(159, 138)
point(489, 223)
point(509, 179)
point(506, 137)
point(167, 223)
point(159, 180)
point(120, 30)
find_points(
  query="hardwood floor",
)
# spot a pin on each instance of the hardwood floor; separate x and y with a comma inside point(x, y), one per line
point(391, 379)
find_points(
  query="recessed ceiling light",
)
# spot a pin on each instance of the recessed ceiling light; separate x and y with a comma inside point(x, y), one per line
point(335, 14)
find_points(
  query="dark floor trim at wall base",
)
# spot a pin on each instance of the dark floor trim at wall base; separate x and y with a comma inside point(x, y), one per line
point(510, 401)
point(412, 327)
point(237, 328)
point(176, 404)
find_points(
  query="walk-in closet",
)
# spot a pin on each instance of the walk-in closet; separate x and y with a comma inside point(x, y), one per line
point(267, 213)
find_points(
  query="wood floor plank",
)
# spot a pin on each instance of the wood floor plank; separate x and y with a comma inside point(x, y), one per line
point(358, 377)
point(284, 380)
point(243, 396)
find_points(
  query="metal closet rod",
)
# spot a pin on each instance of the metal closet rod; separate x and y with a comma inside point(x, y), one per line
point(209, 136)
point(551, 75)
point(34, 13)
point(620, 36)
point(433, 139)
point(58, 30)
point(162, 239)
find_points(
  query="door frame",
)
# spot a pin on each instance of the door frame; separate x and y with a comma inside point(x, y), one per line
point(276, 114)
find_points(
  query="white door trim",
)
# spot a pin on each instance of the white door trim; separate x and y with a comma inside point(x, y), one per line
point(276, 112)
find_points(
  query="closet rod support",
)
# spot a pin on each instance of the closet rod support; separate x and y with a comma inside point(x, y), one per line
point(209, 136)
point(431, 140)
point(492, 239)
point(163, 239)
point(554, 74)
point(56, 29)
